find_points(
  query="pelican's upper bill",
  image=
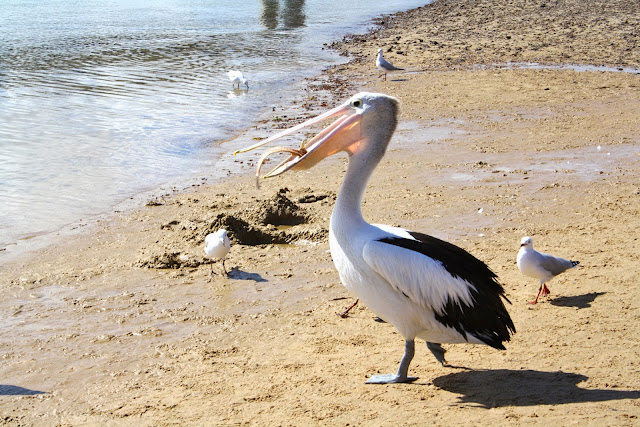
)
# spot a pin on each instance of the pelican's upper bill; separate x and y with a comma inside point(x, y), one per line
point(342, 135)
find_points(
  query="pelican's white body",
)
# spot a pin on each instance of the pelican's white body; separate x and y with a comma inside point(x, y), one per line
point(402, 287)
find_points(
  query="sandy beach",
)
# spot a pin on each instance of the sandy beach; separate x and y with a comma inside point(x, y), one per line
point(121, 324)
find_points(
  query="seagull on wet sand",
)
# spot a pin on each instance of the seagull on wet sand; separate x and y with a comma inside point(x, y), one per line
point(541, 266)
point(384, 65)
point(237, 78)
point(425, 287)
point(217, 246)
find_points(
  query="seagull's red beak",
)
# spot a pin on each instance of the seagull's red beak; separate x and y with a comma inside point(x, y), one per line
point(341, 135)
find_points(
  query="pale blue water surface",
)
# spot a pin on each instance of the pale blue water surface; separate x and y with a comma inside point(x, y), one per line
point(103, 99)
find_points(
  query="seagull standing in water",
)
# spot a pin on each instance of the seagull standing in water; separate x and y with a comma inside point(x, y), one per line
point(237, 78)
point(384, 65)
point(217, 246)
point(541, 266)
point(425, 287)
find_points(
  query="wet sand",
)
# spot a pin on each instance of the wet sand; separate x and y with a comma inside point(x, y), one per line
point(123, 324)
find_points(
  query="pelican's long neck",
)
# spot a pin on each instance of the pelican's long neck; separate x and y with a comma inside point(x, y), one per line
point(377, 131)
point(347, 211)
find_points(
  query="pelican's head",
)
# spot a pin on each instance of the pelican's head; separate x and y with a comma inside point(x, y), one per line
point(245, 82)
point(526, 242)
point(364, 126)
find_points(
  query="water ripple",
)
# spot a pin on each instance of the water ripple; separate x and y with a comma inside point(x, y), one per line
point(100, 99)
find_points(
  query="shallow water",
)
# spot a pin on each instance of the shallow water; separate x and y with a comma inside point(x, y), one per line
point(100, 100)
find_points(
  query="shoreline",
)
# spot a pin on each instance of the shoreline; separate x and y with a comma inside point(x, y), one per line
point(19, 233)
point(124, 324)
point(337, 92)
point(323, 86)
point(454, 35)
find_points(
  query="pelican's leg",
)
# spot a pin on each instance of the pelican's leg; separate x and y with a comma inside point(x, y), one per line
point(345, 313)
point(401, 375)
point(437, 350)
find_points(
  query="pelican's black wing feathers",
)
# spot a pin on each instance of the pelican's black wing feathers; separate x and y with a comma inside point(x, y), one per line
point(486, 318)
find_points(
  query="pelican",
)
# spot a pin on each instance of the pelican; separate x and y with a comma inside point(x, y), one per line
point(384, 65)
point(237, 78)
point(541, 266)
point(425, 287)
point(217, 246)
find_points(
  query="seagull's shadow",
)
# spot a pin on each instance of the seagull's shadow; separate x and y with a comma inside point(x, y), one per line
point(504, 387)
point(578, 301)
point(238, 274)
point(14, 390)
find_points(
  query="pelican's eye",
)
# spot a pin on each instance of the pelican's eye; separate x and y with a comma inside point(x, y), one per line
point(356, 103)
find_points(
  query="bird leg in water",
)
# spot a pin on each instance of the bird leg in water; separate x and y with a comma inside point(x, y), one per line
point(345, 313)
point(401, 375)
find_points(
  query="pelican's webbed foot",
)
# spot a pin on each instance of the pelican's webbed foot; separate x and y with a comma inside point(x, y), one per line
point(390, 379)
point(401, 376)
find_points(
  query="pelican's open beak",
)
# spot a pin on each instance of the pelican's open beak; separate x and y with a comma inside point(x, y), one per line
point(341, 135)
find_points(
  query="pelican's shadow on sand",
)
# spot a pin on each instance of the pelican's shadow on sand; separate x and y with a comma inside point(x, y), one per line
point(238, 274)
point(14, 390)
point(577, 301)
point(504, 387)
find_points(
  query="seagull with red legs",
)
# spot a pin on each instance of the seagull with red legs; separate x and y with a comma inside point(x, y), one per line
point(541, 266)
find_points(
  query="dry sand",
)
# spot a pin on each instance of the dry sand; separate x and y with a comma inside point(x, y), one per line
point(122, 325)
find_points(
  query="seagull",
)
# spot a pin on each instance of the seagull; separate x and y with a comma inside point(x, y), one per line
point(217, 246)
point(384, 65)
point(541, 266)
point(237, 78)
point(425, 287)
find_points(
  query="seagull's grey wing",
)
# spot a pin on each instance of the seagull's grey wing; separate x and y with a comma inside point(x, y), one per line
point(554, 265)
point(388, 65)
